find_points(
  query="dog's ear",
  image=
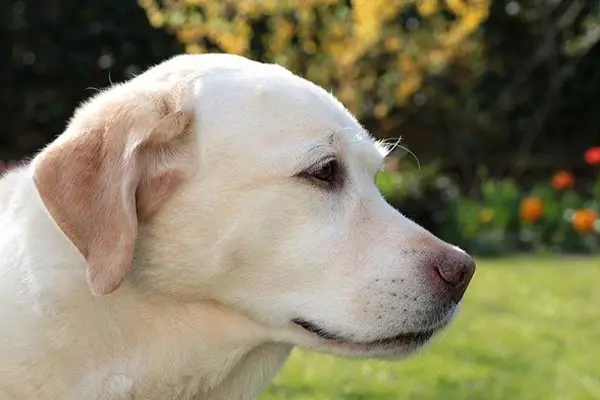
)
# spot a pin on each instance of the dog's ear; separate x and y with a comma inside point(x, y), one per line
point(122, 155)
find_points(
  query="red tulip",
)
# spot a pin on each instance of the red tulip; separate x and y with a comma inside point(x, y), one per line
point(592, 155)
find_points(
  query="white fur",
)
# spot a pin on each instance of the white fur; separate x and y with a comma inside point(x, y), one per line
point(227, 263)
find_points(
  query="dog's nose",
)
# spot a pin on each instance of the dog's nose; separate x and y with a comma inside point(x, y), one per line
point(455, 268)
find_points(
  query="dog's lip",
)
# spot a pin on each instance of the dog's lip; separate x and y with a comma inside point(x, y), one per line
point(406, 338)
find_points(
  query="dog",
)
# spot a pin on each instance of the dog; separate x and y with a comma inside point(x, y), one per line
point(194, 224)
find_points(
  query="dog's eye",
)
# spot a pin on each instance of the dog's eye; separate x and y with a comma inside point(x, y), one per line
point(326, 172)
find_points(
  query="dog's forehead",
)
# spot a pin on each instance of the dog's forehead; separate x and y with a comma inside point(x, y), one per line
point(296, 106)
point(316, 122)
point(323, 121)
point(255, 104)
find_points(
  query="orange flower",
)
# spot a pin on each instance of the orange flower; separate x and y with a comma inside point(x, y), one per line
point(592, 155)
point(563, 180)
point(584, 219)
point(531, 209)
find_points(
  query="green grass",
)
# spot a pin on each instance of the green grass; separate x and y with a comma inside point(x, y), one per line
point(529, 330)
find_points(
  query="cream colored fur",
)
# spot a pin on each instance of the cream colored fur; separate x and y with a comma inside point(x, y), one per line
point(163, 245)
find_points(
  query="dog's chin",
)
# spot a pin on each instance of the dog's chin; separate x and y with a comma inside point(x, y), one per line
point(391, 347)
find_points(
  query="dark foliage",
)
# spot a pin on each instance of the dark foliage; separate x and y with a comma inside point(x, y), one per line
point(56, 53)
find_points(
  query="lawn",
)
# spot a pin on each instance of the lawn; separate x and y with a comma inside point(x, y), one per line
point(529, 330)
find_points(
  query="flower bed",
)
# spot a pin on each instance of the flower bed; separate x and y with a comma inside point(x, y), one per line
point(499, 216)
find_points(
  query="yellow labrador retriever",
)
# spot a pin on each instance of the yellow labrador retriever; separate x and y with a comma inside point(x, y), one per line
point(194, 224)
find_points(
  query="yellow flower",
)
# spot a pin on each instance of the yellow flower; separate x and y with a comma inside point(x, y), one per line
point(157, 19)
point(392, 43)
point(428, 7)
point(380, 110)
point(486, 215)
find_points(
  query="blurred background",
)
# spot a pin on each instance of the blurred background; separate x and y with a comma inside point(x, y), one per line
point(497, 104)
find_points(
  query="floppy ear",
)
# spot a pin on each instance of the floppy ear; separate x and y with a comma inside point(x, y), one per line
point(121, 156)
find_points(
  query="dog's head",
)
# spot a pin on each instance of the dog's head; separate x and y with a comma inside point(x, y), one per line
point(219, 178)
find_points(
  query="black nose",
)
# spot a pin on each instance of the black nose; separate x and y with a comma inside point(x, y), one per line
point(455, 268)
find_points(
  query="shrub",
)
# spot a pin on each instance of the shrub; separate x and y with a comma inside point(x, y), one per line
point(499, 215)
point(59, 53)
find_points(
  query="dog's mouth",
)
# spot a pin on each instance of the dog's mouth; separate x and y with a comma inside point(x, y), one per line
point(412, 339)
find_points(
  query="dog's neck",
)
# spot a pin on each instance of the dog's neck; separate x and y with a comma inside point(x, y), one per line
point(127, 344)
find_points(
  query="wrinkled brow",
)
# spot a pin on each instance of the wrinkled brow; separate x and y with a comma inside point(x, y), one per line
point(319, 149)
point(355, 146)
point(362, 148)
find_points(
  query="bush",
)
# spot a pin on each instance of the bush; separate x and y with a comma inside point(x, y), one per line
point(422, 195)
point(58, 53)
point(499, 216)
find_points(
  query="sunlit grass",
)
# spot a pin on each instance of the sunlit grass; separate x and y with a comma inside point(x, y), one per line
point(529, 330)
